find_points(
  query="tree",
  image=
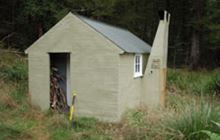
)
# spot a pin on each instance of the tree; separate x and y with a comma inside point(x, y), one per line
point(194, 29)
point(198, 8)
point(211, 38)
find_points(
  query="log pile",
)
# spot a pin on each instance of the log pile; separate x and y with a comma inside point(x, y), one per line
point(58, 100)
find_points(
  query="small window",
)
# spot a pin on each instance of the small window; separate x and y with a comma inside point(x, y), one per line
point(137, 65)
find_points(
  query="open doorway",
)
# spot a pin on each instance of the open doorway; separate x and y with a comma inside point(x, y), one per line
point(59, 81)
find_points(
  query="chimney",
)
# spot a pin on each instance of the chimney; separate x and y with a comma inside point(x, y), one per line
point(156, 71)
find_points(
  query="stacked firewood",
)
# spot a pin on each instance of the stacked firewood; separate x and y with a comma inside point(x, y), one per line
point(57, 95)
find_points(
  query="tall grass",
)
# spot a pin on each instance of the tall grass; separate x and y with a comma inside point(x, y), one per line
point(194, 118)
point(185, 115)
point(13, 68)
point(207, 82)
point(13, 73)
point(13, 97)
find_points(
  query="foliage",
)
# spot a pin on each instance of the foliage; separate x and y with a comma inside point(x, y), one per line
point(136, 118)
point(23, 22)
point(214, 85)
point(18, 72)
point(186, 116)
point(211, 135)
point(13, 67)
point(212, 23)
point(203, 82)
point(193, 119)
point(85, 124)
point(8, 132)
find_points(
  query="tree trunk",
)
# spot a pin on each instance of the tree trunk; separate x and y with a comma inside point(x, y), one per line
point(198, 8)
point(194, 56)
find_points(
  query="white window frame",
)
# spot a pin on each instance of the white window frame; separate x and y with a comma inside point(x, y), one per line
point(138, 63)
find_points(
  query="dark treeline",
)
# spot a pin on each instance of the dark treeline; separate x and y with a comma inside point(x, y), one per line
point(194, 39)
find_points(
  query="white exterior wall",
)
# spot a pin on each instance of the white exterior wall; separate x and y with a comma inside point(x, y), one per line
point(94, 68)
point(155, 73)
point(130, 87)
point(39, 79)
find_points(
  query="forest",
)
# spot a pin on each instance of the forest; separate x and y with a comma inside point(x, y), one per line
point(194, 36)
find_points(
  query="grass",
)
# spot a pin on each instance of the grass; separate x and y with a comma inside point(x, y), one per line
point(191, 111)
point(194, 82)
point(194, 118)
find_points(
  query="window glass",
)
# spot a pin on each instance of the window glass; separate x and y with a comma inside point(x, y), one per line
point(138, 65)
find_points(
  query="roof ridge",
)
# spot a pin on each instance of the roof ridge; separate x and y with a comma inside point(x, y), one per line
point(102, 22)
point(122, 38)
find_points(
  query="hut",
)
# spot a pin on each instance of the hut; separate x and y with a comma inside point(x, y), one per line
point(103, 64)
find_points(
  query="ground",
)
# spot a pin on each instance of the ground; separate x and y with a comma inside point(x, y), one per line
point(192, 105)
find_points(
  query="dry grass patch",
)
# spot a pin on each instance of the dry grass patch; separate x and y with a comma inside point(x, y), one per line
point(6, 101)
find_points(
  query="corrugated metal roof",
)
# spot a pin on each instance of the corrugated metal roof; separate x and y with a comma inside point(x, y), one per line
point(124, 39)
